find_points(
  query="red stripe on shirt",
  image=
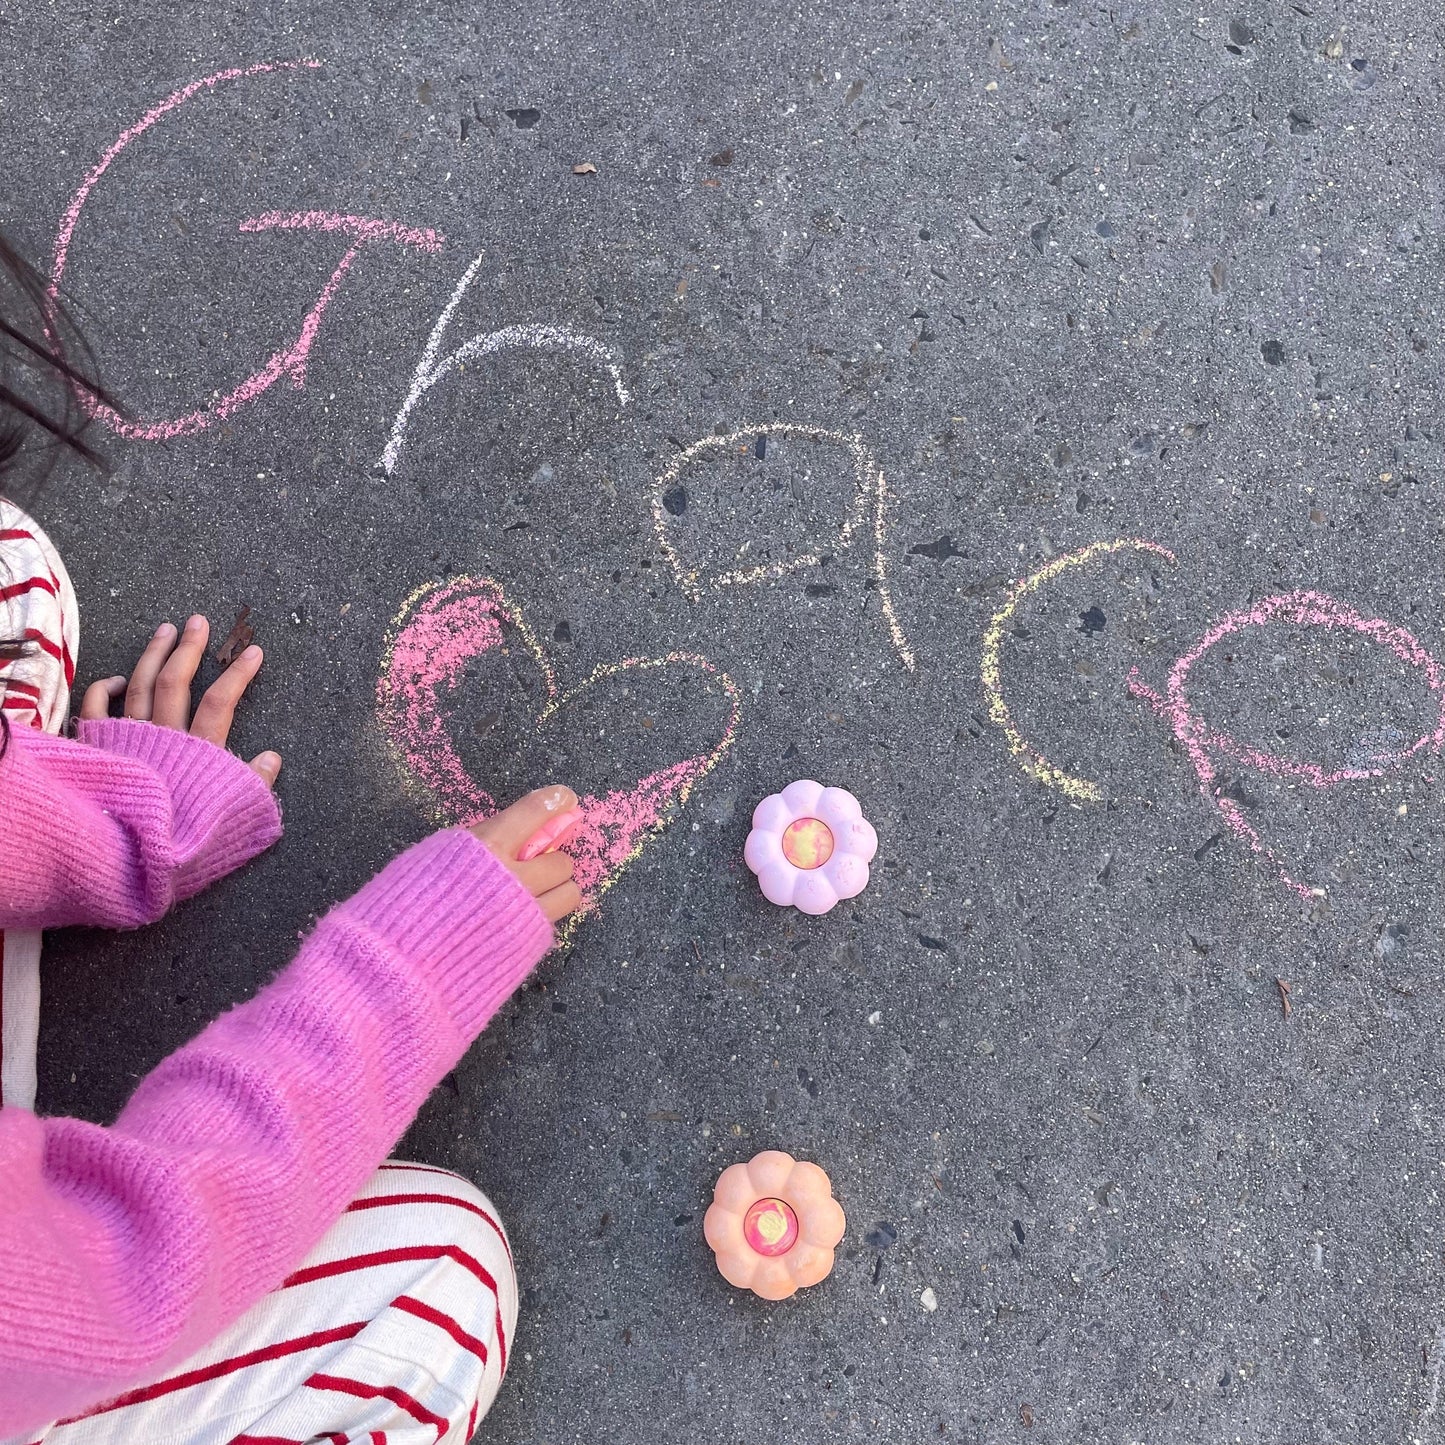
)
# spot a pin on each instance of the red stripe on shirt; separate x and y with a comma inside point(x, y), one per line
point(34, 634)
point(381, 1200)
point(30, 584)
point(221, 1368)
point(335, 1437)
point(399, 1398)
point(423, 1169)
point(402, 1255)
point(61, 652)
point(424, 1311)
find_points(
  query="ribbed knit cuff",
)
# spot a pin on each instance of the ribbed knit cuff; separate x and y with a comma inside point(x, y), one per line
point(223, 814)
point(461, 918)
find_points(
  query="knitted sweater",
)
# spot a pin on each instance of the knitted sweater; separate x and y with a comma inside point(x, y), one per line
point(125, 1249)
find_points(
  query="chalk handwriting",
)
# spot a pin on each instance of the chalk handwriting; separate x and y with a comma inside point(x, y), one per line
point(430, 371)
point(1030, 759)
point(1370, 758)
point(441, 628)
point(870, 495)
point(291, 359)
point(1202, 743)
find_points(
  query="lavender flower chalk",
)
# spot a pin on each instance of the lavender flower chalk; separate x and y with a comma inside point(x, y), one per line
point(810, 846)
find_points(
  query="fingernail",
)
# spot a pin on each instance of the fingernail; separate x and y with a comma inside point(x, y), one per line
point(195, 622)
point(554, 799)
point(252, 653)
point(164, 628)
point(573, 821)
point(550, 835)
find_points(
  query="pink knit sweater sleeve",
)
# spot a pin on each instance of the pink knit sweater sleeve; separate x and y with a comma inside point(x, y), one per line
point(114, 829)
point(123, 1250)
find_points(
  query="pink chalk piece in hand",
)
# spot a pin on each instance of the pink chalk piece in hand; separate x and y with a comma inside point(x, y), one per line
point(773, 1224)
point(551, 835)
point(810, 846)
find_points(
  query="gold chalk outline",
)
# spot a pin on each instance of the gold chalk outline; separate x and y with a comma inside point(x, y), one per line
point(1028, 757)
point(707, 762)
point(872, 487)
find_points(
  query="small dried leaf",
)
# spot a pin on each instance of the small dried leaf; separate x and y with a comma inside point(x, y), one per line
point(1284, 992)
point(238, 639)
point(584, 168)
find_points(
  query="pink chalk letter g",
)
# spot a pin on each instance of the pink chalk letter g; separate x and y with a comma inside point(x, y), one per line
point(291, 359)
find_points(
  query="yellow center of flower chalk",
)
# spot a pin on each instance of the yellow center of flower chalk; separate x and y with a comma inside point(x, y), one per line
point(808, 843)
point(770, 1227)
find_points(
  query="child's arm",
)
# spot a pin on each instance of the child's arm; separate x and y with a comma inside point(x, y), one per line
point(114, 829)
point(149, 811)
point(123, 1250)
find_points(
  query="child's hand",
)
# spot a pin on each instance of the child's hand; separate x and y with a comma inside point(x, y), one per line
point(549, 876)
point(159, 690)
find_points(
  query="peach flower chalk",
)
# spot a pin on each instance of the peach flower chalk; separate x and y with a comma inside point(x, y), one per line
point(774, 1224)
point(810, 846)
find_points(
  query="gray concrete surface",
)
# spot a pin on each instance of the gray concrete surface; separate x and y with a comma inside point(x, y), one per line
point(1074, 272)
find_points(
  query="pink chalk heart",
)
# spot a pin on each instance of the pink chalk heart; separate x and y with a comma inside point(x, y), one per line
point(441, 631)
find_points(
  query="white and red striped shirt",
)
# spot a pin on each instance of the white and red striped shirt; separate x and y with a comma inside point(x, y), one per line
point(37, 607)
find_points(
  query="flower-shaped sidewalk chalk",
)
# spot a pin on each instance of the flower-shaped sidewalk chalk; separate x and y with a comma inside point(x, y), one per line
point(810, 846)
point(773, 1224)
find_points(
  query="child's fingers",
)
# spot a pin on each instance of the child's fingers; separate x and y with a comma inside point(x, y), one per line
point(99, 696)
point(559, 902)
point(217, 707)
point(545, 873)
point(268, 765)
point(140, 692)
point(171, 707)
point(506, 832)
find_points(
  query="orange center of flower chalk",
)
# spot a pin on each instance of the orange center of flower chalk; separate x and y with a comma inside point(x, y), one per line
point(808, 843)
point(771, 1227)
